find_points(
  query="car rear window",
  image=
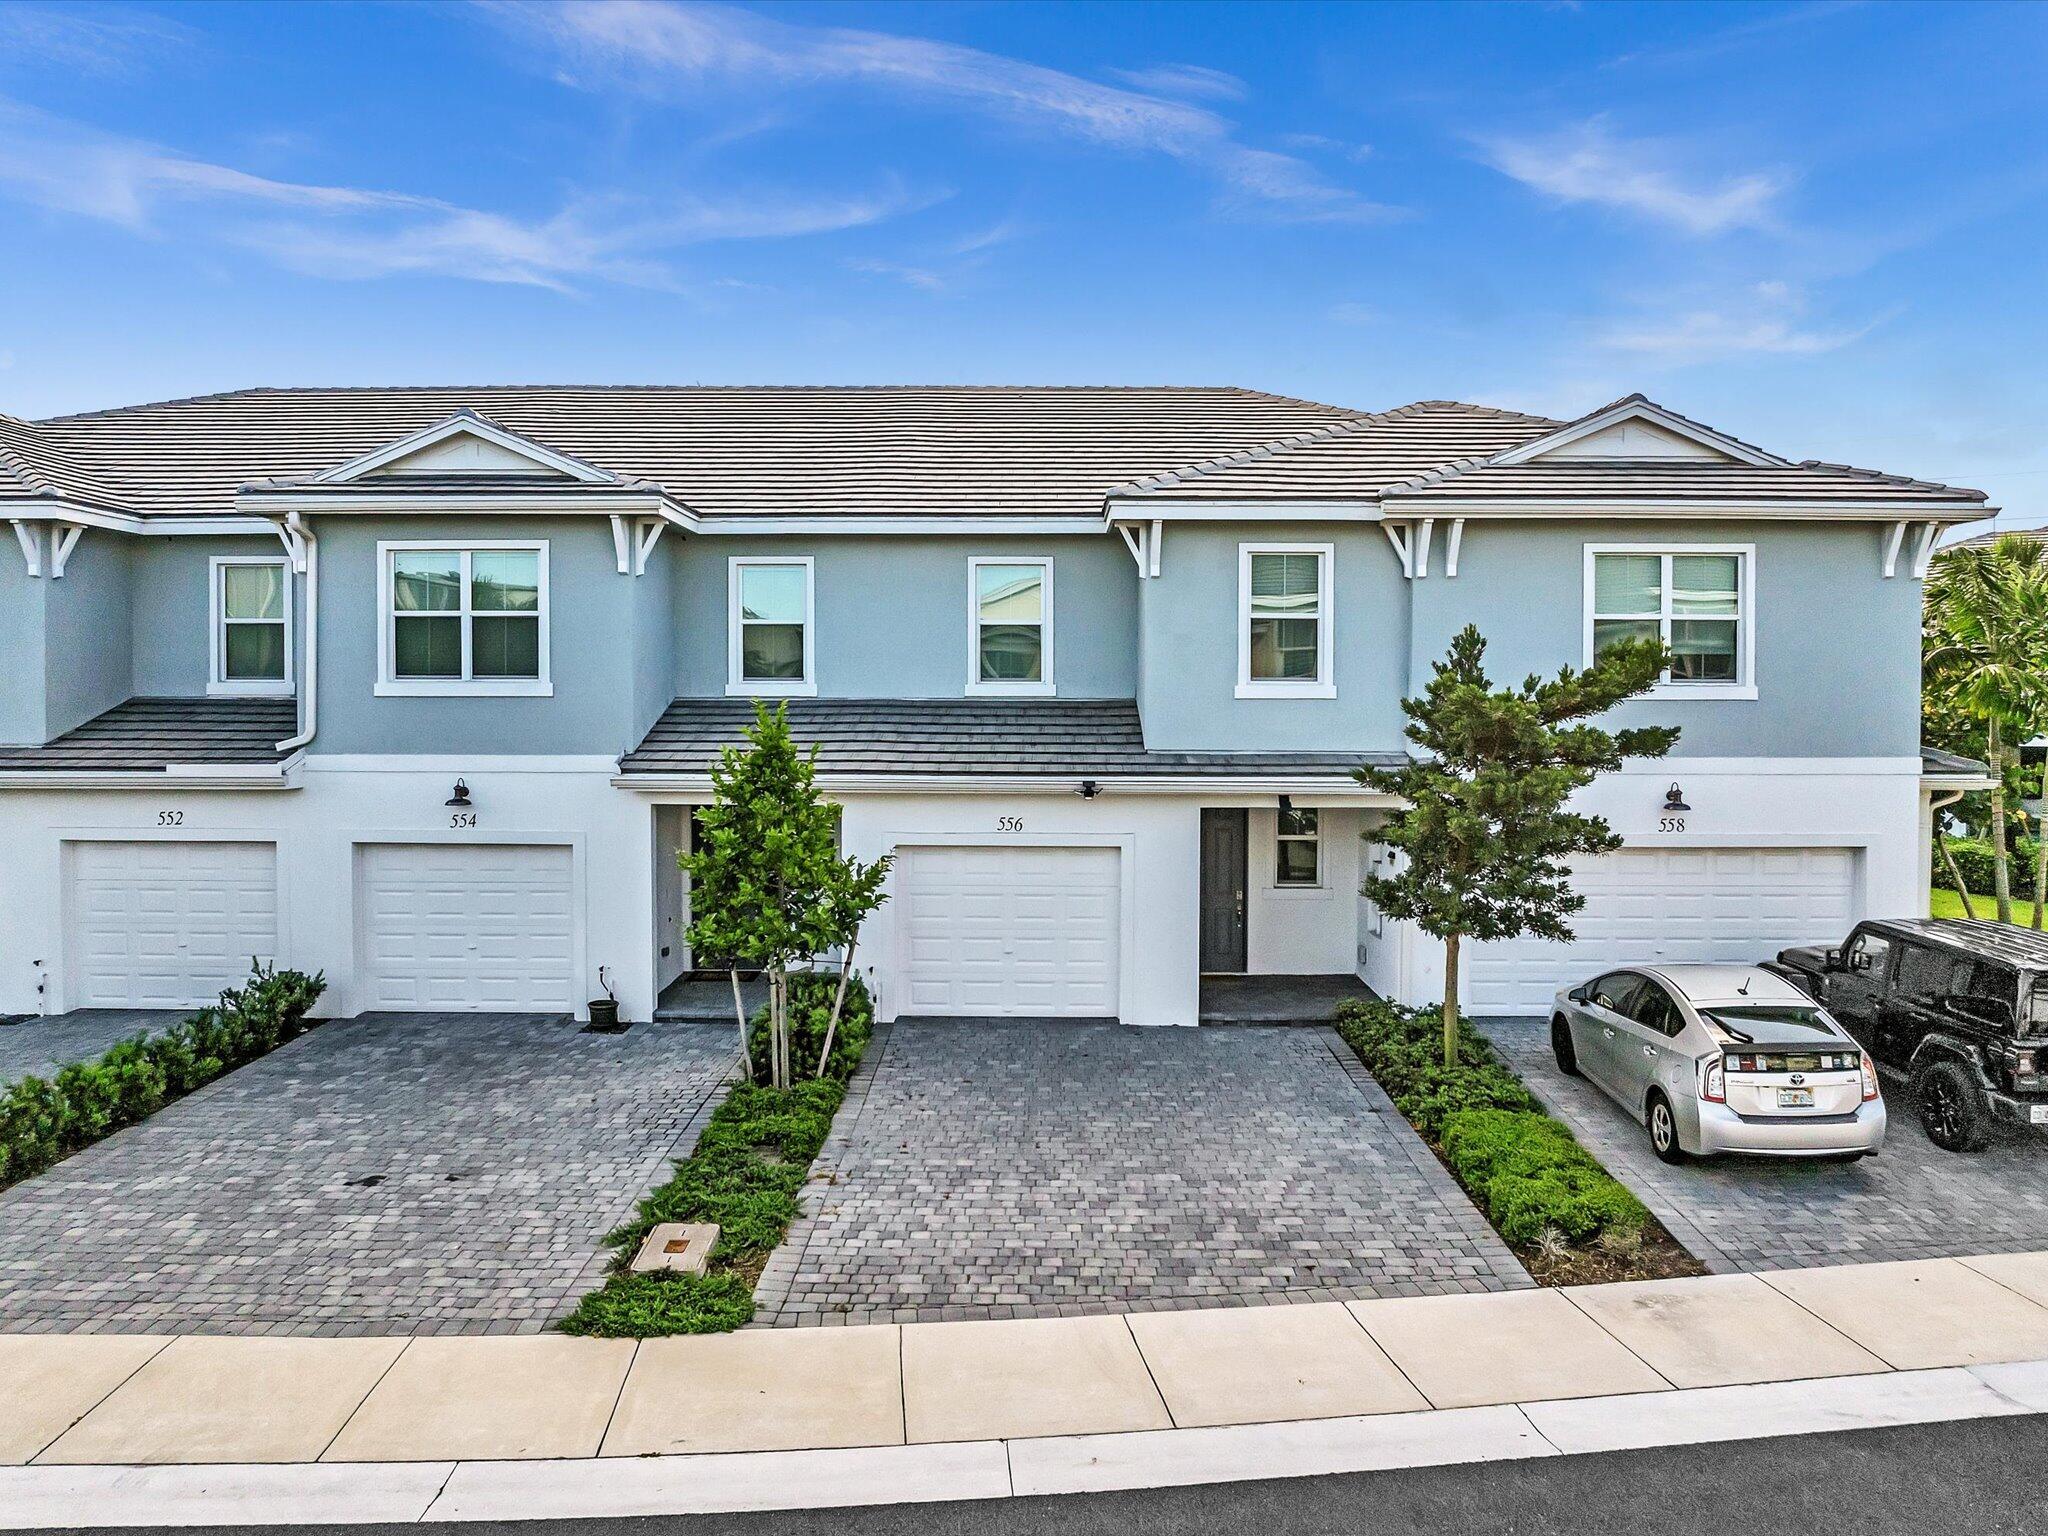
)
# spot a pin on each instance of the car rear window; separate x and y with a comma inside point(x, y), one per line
point(1770, 1021)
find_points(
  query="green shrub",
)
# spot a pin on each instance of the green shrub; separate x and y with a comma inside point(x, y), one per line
point(1403, 1049)
point(655, 1305)
point(1974, 862)
point(43, 1121)
point(1528, 1174)
point(810, 1011)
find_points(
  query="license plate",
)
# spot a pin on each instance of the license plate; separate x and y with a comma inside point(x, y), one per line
point(2038, 1114)
point(1799, 1098)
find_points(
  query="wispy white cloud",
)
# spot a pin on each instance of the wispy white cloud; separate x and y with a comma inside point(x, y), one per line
point(94, 40)
point(1197, 80)
point(354, 232)
point(1322, 143)
point(668, 48)
point(1766, 319)
point(1589, 163)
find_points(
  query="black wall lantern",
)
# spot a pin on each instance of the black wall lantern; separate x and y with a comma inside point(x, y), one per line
point(1286, 805)
point(1674, 800)
point(1090, 789)
point(460, 799)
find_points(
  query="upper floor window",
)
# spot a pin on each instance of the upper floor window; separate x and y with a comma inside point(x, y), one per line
point(1697, 598)
point(1010, 628)
point(1284, 621)
point(1298, 855)
point(771, 645)
point(463, 618)
point(251, 615)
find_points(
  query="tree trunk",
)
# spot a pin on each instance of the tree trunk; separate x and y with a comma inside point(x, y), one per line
point(2040, 870)
point(1955, 875)
point(2001, 857)
point(739, 1007)
point(782, 1029)
point(1451, 999)
point(838, 1001)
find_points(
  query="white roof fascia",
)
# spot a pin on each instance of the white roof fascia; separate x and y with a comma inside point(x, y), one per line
point(853, 523)
point(1043, 784)
point(1263, 509)
point(1635, 410)
point(47, 509)
point(190, 776)
point(537, 502)
point(1764, 508)
point(464, 423)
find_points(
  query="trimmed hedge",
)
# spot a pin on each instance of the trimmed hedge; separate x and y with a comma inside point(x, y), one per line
point(1974, 861)
point(810, 1011)
point(43, 1121)
point(1522, 1168)
point(745, 1173)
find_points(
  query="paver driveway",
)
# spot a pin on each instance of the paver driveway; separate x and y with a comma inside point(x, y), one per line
point(395, 1173)
point(38, 1047)
point(1022, 1169)
point(1914, 1201)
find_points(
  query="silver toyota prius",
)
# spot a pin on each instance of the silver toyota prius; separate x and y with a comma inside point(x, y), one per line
point(1721, 1058)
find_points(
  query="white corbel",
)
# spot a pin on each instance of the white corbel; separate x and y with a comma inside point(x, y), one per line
point(622, 544)
point(61, 545)
point(1923, 549)
point(1422, 547)
point(651, 530)
point(31, 542)
point(1158, 541)
point(1134, 541)
point(1451, 543)
point(1894, 537)
point(1398, 536)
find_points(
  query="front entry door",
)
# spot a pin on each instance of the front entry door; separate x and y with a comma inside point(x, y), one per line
point(1223, 882)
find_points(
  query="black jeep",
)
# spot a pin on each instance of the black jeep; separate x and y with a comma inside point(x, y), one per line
point(1961, 1006)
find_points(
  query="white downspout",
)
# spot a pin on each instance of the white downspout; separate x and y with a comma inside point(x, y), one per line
point(310, 672)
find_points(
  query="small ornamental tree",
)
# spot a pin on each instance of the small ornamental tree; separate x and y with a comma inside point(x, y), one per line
point(1483, 825)
point(768, 886)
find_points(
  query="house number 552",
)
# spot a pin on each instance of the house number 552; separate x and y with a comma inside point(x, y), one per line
point(1009, 823)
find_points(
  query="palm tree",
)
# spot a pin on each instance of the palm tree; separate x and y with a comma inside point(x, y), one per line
point(1986, 654)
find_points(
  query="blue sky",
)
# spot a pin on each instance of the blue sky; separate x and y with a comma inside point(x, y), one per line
point(1820, 227)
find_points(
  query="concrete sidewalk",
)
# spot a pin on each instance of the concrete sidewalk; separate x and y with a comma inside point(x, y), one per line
point(109, 1400)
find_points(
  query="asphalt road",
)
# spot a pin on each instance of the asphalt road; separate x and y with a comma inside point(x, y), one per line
point(1981, 1476)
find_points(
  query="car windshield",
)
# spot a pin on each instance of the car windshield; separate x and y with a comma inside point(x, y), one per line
point(1769, 1023)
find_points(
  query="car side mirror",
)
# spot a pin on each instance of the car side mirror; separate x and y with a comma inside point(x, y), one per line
point(1831, 958)
point(1578, 994)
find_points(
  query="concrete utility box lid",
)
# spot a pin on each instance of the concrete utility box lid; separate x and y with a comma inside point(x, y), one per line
point(679, 1245)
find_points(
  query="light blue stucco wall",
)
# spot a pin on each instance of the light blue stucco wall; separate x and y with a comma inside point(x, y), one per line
point(170, 608)
point(1188, 618)
point(590, 624)
point(1837, 645)
point(653, 637)
point(892, 612)
point(22, 681)
point(87, 660)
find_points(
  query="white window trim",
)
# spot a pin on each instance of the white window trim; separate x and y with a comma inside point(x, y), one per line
point(1324, 684)
point(1744, 686)
point(390, 686)
point(218, 683)
point(736, 684)
point(1315, 837)
point(1043, 688)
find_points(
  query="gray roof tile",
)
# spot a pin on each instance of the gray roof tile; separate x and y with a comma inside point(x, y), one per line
point(142, 735)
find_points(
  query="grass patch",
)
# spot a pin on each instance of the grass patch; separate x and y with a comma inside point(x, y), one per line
point(43, 1121)
point(1942, 901)
point(1568, 1219)
point(750, 1162)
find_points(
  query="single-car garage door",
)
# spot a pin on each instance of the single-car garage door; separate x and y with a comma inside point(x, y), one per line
point(1016, 931)
point(461, 926)
point(1644, 905)
point(164, 924)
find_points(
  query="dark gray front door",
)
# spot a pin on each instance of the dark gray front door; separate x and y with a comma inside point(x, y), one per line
point(1223, 869)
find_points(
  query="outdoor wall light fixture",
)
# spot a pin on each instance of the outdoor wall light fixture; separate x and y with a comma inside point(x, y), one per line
point(1286, 804)
point(1090, 789)
point(1674, 800)
point(460, 799)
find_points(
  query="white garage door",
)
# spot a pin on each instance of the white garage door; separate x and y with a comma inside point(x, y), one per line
point(450, 926)
point(166, 925)
point(1674, 904)
point(1017, 931)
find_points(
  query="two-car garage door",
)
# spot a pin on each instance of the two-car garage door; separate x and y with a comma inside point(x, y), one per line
point(1643, 905)
point(1019, 931)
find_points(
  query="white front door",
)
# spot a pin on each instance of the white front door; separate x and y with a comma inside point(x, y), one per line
point(166, 925)
point(465, 927)
point(1673, 905)
point(1008, 931)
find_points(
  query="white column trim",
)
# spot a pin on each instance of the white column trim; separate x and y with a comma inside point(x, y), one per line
point(31, 542)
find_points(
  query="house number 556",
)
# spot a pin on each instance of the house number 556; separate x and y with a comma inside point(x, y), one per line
point(1009, 823)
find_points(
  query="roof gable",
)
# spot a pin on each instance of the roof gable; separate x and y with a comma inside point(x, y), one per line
point(464, 444)
point(1635, 429)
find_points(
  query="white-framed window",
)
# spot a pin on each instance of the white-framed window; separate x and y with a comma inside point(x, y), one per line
point(1009, 626)
point(249, 611)
point(1298, 848)
point(1699, 599)
point(462, 617)
point(1285, 616)
point(771, 644)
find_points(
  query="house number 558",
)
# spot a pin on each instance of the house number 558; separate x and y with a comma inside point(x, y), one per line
point(1009, 823)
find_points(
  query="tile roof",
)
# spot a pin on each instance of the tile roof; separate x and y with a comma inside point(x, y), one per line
point(792, 452)
point(1675, 480)
point(1934, 760)
point(1008, 738)
point(142, 735)
point(30, 465)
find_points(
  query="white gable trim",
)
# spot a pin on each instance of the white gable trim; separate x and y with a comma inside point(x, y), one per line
point(1635, 410)
point(465, 424)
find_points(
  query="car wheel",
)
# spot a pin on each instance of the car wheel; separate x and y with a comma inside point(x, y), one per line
point(1951, 1107)
point(1561, 1047)
point(1664, 1130)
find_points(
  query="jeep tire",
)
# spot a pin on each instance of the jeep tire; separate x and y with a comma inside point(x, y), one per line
point(1951, 1105)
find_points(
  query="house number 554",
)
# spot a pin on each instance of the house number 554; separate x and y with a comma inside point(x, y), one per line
point(1009, 823)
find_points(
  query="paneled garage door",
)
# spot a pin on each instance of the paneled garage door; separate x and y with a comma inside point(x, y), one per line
point(453, 926)
point(1018, 931)
point(166, 925)
point(1674, 904)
